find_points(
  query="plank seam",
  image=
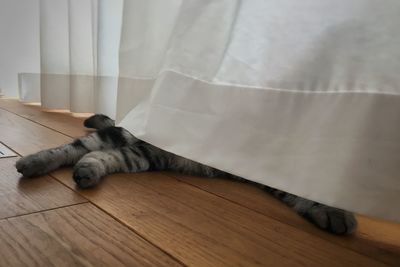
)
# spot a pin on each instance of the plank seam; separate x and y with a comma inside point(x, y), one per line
point(31, 120)
point(272, 218)
point(41, 211)
point(179, 180)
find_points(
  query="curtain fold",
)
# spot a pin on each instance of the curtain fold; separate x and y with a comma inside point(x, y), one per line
point(303, 96)
point(79, 46)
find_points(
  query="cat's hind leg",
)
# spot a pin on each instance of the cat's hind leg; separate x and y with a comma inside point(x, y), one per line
point(48, 160)
point(95, 165)
point(328, 218)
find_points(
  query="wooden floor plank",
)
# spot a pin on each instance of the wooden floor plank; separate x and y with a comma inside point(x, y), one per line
point(26, 137)
point(379, 239)
point(6, 152)
point(80, 235)
point(21, 196)
point(62, 122)
point(201, 229)
point(119, 200)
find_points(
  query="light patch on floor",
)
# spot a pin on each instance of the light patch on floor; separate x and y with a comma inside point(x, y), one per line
point(5, 152)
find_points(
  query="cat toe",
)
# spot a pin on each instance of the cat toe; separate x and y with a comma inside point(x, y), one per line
point(333, 220)
point(31, 166)
point(85, 176)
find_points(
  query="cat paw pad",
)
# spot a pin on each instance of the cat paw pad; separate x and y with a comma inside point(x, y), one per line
point(333, 220)
point(32, 165)
point(86, 176)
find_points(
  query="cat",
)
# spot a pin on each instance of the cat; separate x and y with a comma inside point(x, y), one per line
point(113, 149)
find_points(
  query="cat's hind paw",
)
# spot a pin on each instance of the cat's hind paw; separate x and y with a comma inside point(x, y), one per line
point(86, 175)
point(331, 219)
point(32, 165)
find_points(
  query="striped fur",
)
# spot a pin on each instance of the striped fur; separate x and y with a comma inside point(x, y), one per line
point(113, 149)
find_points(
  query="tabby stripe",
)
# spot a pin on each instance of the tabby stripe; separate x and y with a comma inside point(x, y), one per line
point(147, 155)
point(116, 158)
point(78, 143)
point(113, 134)
point(158, 162)
point(137, 158)
point(136, 162)
point(127, 160)
point(132, 149)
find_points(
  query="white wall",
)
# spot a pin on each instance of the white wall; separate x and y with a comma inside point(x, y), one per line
point(19, 42)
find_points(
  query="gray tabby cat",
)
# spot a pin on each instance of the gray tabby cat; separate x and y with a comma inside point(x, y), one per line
point(113, 149)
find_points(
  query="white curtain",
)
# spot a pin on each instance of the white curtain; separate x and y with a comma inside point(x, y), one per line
point(79, 42)
point(299, 95)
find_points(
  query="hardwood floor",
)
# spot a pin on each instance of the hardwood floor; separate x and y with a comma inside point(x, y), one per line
point(79, 235)
point(157, 218)
point(23, 196)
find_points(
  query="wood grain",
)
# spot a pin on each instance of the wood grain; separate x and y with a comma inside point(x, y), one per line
point(209, 222)
point(21, 196)
point(6, 152)
point(62, 122)
point(201, 229)
point(80, 235)
point(26, 137)
point(376, 238)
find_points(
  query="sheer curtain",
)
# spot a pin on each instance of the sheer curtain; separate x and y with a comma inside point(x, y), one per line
point(79, 44)
point(299, 95)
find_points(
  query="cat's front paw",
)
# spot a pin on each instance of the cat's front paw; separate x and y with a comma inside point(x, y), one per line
point(331, 219)
point(86, 175)
point(32, 165)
